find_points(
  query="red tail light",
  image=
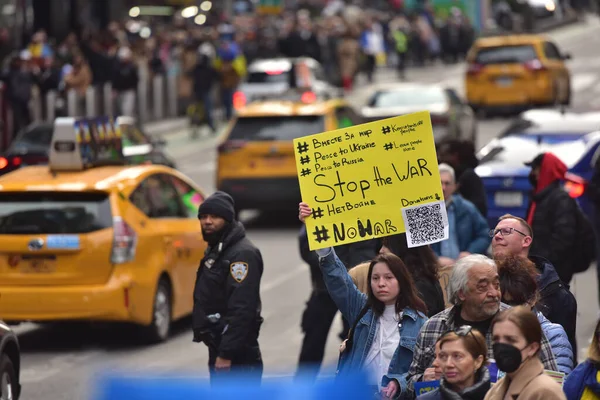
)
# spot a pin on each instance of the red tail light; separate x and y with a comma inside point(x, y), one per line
point(575, 189)
point(574, 185)
point(17, 161)
point(308, 97)
point(230, 146)
point(274, 72)
point(124, 242)
point(474, 69)
point(534, 65)
point(3, 162)
point(239, 100)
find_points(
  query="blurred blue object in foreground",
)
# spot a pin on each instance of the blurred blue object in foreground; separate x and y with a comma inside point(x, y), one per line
point(118, 386)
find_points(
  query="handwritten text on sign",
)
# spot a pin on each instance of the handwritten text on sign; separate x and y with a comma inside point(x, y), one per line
point(372, 180)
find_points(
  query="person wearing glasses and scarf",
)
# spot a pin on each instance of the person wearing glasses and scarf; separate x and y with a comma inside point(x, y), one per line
point(463, 356)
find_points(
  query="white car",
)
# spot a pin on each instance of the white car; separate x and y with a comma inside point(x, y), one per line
point(271, 78)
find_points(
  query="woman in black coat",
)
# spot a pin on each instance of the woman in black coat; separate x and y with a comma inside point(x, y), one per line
point(423, 266)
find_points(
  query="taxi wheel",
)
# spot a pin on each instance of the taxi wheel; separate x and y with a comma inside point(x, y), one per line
point(159, 329)
point(8, 379)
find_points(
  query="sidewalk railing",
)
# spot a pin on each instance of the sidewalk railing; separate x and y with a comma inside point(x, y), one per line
point(156, 98)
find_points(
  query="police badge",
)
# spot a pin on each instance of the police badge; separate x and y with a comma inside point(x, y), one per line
point(239, 271)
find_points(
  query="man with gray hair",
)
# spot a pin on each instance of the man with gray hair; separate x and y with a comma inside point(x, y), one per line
point(474, 291)
point(468, 228)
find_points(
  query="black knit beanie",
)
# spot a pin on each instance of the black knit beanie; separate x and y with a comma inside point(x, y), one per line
point(219, 204)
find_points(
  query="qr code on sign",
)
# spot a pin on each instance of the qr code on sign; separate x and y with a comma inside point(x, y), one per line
point(425, 224)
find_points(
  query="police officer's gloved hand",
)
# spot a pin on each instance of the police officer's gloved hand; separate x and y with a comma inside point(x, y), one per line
point(203, 335)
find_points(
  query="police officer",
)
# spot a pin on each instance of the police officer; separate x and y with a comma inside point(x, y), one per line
point(227, 303)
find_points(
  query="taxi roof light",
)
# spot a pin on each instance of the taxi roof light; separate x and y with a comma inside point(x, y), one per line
point(80, 143)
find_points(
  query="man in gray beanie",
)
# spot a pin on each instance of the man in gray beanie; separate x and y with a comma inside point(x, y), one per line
point(227, 305)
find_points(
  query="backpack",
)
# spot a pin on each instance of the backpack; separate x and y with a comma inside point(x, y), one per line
point(584, 249)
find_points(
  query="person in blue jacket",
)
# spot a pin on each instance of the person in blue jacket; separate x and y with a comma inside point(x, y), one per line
point(518, 285)
point(584, 382)
point(386, 321)
point(469, 230)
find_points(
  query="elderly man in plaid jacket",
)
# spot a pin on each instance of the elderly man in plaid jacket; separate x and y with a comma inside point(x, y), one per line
point(474, 291)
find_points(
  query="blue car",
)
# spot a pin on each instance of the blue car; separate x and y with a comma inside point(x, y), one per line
point(572, 137)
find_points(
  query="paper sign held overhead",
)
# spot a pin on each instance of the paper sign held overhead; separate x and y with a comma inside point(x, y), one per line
point(372, 180)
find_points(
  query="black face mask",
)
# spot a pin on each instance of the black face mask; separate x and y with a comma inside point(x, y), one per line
point(533, 179)
point(508, 357)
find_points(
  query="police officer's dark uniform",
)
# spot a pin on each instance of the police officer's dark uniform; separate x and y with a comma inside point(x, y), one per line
point(227, 303)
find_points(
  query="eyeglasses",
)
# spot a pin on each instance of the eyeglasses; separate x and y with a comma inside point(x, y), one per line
point(505, 232)
point(463, 331)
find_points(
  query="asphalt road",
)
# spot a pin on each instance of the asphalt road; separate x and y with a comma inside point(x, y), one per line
point(61, 362)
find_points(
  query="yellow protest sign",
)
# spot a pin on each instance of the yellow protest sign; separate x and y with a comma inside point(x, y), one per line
point(372, 180)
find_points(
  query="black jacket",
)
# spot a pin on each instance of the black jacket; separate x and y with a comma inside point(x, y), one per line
point(556, 301)
point(431, 293)
point(228, 283)
point(471, 188)
point(555, 228)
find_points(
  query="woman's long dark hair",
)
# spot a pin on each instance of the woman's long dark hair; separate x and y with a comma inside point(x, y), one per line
point(420, 261)
point(408, 296)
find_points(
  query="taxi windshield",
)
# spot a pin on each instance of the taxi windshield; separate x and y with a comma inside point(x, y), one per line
point(505, 55)
point(408, 97)
point(54, 213)
point(276, 128)
point(514, 151)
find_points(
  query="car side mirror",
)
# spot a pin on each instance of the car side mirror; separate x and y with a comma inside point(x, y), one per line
point(567, 56)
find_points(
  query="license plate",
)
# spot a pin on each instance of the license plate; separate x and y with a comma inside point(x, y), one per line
point(37, 266)
point(508, 199)
point(504, 82)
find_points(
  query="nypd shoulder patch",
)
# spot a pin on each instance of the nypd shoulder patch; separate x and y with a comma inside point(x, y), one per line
point(239, 271)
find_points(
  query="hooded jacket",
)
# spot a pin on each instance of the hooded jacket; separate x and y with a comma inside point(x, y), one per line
point(556, 301)
point(228, 283)
point(552, 216)
point(560, 344)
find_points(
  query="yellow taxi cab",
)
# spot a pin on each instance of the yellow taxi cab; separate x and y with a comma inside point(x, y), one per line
point(89, 238)
point(517, 71)
point(256, 163)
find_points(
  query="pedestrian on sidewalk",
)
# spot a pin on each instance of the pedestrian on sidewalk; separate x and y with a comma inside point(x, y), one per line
point(227, 306)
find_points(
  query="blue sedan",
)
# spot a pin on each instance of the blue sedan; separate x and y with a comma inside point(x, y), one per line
point(574, 138)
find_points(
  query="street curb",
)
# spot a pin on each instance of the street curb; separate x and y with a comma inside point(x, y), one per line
point(165, 127)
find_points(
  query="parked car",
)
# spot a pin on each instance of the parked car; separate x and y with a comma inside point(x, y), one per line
point(10, 364)
point(451, 117)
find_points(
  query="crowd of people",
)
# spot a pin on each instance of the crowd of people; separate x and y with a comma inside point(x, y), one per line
point(210, 62)
point(512, 307)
